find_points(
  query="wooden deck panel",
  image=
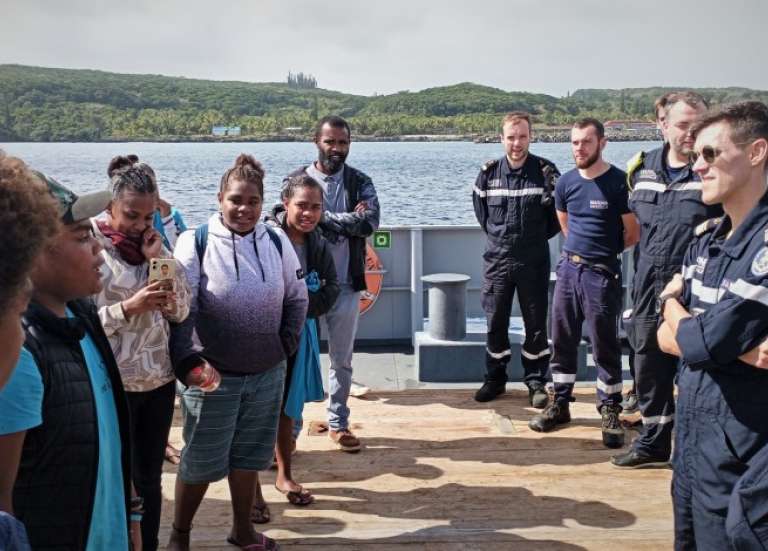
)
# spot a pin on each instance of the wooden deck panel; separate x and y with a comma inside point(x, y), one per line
point(441, 472)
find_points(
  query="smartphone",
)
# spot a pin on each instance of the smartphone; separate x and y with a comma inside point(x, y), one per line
point(162, 269)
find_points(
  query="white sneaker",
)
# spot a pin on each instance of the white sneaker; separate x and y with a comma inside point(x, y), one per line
point(357, 390)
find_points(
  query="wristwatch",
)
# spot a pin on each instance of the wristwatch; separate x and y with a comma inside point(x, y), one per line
point(663, 298)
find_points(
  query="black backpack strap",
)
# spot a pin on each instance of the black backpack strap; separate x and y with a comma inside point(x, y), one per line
point(201, 241)
point(275, 239)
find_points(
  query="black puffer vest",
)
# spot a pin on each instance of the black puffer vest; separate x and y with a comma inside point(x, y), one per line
point(56, 483)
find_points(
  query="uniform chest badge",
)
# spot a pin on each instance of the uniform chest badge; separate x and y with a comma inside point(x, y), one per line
point(701, 263)
point(760, 262)
point(647, 174)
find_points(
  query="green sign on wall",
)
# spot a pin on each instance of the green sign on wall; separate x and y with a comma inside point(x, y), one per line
point(382, 239)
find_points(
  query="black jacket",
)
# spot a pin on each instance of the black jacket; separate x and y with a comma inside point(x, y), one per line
point(355, 227)
point(56, 482)
point(510, 208)
point(320, 260)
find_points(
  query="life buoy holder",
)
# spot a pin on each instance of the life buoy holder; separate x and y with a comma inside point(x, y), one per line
point(374, 277)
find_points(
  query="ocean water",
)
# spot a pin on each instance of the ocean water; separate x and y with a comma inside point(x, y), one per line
point(417, 183)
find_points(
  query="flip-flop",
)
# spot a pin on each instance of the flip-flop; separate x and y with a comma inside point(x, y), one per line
point(267, 544)
point(172, 455)
point(260, 514)
point(299, 498)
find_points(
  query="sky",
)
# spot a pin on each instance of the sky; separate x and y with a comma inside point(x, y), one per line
point(366, 47)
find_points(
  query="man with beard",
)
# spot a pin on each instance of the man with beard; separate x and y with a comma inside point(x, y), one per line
point(351, 213)
point(666, 198)
point(659, 108)
point(512, 198)
point(591, 203)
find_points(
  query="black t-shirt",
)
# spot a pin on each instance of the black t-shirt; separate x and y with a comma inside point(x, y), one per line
point(594, 210)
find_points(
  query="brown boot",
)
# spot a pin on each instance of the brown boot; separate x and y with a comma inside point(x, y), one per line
point(345, 440)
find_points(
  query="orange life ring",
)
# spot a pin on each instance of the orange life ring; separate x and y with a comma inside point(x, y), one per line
point(374, 276)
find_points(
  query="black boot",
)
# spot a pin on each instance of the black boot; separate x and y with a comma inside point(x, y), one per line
point(490, 390)
point(613, 432)
point(537, 396)
point(558, 413)
point(636, 460)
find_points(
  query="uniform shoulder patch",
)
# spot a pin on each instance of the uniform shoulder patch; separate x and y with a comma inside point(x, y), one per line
point(489, 164)
point(706, 226)
point(760, 262)
point(632, 165)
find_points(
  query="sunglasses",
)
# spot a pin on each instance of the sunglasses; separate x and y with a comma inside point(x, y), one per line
point(710, 153)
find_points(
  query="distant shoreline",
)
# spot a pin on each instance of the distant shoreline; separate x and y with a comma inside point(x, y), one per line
point(559, 135)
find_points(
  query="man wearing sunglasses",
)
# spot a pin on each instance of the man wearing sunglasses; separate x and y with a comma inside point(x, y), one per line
point(715, 314)
point(666, 198)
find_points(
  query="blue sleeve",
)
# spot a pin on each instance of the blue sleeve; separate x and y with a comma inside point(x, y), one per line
point(178, 220)
point(728, 329)
point(21, 401)
point(157, 222)
point(560, 202)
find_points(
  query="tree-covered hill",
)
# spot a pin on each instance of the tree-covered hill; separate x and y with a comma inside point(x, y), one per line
point(42, 104)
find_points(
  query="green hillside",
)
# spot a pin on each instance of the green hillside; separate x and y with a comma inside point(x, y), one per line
point(41, 104)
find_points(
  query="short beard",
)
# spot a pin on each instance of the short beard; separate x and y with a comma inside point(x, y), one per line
point(682, 151)
point(589, 161)
point(330, 165)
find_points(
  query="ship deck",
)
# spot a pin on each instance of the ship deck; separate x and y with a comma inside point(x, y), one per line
point(440, 471)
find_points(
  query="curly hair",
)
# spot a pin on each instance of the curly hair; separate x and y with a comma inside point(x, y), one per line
point(29, 219)
point(246, 169)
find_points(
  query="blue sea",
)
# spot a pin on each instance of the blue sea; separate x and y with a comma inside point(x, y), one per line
point(417, 183)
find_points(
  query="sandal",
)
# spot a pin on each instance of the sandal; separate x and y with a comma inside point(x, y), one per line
point(300, 498)
point(172, 455)
point(260, 514)
point(267, 544)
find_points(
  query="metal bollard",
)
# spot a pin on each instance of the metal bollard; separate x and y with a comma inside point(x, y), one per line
point(447, 306)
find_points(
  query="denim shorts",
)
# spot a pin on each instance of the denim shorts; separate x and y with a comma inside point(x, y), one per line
point(233, 427)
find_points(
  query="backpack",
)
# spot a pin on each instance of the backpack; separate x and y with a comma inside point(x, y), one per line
point(201, 240)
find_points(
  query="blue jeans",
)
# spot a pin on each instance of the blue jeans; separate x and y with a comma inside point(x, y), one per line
point(342, 327)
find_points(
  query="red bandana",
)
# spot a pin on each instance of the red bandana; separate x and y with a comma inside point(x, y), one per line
point(128, 247)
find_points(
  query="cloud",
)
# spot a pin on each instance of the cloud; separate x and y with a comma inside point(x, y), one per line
point(363, 47)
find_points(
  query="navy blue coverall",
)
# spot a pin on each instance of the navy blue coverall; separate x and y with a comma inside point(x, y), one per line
point(508, 206)
point(667, 211)
point(722, 412)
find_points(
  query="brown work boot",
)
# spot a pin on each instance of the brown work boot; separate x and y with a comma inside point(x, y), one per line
point(345, 440)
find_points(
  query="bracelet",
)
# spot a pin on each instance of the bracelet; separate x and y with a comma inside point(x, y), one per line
point(136, 517)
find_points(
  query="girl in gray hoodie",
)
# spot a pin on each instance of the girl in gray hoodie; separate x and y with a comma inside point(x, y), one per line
point(249, 303)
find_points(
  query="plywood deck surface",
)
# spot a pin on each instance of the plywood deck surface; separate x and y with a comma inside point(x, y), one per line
point(442, 472)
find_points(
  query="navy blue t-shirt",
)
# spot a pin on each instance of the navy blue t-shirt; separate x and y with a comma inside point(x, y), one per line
point(594, 210)
point(674, 173)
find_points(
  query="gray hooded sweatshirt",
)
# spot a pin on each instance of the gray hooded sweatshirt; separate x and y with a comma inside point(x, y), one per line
point(248, 303)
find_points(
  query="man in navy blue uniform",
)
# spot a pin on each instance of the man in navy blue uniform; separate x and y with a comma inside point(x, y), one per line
point(659, 108)
point(666, 198)
point(512, 198)
point(715, 317)
point(591, 202)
